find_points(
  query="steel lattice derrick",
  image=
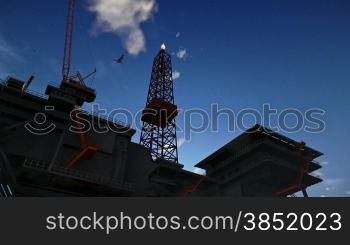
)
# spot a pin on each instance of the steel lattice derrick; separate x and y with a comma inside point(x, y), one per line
point(159, 127)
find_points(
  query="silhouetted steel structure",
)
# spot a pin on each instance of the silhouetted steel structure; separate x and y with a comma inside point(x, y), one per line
point(76, 78)
point(159, 128)
point(68, 39)
point(47, 158)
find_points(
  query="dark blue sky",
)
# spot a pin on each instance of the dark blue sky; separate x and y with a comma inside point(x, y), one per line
point(239, 54)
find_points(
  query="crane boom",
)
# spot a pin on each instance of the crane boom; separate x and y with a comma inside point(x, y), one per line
point(68, 39)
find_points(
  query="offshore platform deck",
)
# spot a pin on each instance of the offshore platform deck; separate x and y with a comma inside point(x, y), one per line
point(43, 157)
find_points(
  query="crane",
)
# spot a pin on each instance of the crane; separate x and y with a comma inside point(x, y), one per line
point(68, 47)
point(87, 150)
point(68, 40)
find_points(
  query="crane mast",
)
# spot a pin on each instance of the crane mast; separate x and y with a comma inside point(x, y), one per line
point(68, 40)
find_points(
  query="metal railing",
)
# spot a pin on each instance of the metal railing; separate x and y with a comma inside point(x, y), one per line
point(54, 84)
point(3, 82)
point(37, 94)
point(89, 113)
point(246, 149)
point(77, 174)
point(27, 91)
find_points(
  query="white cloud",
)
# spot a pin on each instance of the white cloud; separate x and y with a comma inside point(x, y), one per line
point(318, 174)
point(178, 35)
point(324, 163)
point(180, 142)
point(199, 171)
point(176, 75)
point(7, 50)
point(8, 55)
point(323, 196)
point(182, 53)
point(123, 17)
point(333, 181)
point(347, 192)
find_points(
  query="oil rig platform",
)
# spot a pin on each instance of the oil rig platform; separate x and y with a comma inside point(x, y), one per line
point(47, 146)
point(259, 162)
